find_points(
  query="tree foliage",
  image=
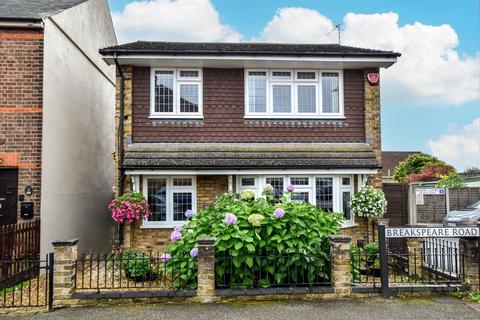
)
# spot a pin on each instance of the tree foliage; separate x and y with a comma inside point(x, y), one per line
point(414, 164)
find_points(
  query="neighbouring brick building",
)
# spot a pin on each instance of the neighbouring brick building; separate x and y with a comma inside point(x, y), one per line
point(201, 119)
point(56, 117)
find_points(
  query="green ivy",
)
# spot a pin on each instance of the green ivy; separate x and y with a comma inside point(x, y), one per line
point(302, 234)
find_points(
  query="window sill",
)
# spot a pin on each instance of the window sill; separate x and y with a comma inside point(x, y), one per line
point(175, 117)
point(323, 117)
point(349, 225)
point(161, 226)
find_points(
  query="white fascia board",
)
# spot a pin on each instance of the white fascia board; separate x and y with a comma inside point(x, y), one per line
point(250, 172)
point(249, 61)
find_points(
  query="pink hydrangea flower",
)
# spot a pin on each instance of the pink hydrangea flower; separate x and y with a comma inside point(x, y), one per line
point(175, 236)
point(230, 219)
point(278, 213)
point(189, 213)
point(290, 187)
point(165, 257)
point(194, 252)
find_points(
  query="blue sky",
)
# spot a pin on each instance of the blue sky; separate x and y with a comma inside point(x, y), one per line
point(436, 113)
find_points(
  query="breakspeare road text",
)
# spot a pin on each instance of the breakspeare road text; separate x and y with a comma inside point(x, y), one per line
point(432, 232)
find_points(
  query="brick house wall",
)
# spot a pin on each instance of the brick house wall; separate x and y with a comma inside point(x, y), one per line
point(223, 103)
point(21, 81)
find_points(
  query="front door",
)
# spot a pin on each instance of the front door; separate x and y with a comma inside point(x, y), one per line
point(8, 196)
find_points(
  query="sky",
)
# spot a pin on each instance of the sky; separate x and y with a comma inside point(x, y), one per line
point(430, 97)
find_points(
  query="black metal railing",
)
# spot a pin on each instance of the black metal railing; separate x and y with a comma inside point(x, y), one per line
point(30, 283)
point(442, 255)
point(264, 270)
point(109, 272)
point(365, 268)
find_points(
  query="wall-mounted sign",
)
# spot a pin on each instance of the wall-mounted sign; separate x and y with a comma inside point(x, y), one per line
point(429, 232)
point(419, 200)
point(425, 191)
point(28, 190)
point(373, 78)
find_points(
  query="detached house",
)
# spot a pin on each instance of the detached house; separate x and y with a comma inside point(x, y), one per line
point(56, 118)
point(200, 119)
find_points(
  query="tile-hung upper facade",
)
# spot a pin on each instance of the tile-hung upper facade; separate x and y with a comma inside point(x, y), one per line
point(206, 118)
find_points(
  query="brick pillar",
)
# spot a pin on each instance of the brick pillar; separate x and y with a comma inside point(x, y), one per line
point(341, 274)
point(470, 262)
point(415, 247)
point(65, 253)
point(206, 270)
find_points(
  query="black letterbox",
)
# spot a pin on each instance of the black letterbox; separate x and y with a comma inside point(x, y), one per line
point(26, 210)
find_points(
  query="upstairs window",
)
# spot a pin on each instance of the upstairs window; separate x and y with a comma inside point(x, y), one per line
point(176, 93)
point(294, 94)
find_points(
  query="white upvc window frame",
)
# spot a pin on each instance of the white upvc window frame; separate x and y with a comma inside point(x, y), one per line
point(295, 83)
point(267, 90)
point(169, 223)
point(338, 189)
point(177, 81)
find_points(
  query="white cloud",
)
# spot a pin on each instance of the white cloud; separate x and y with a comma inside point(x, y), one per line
point(298, 25)
point(461, 148)
point(172, 20)
point(430, 70)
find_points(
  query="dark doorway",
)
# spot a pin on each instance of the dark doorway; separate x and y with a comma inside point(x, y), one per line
point(8, 196)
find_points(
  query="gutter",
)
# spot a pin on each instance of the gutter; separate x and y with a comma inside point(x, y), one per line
point(121, 169)
point(25, 23)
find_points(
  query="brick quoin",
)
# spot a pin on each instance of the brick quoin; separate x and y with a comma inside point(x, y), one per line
point(21, 67)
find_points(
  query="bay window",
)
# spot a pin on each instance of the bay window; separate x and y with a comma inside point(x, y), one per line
point(294, 94)
point(176, 93)
point(329, 193)
point(169, 198)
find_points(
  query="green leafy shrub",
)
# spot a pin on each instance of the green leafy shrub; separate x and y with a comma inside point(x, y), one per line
point(244, 227)
point(474, 296)
point(137, 264)
point(414, 164)
point(365, 260)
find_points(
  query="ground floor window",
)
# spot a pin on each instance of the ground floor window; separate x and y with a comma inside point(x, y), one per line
point(330, 193)
point(169, 198)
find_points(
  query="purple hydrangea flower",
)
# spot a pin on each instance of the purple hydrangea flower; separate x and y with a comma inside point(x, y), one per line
point(178, 228)
point(175, 236)
point(189, 213)
point(278, 213)
point(165, 257)
point(230, 219)
point(290, 187)
point(194, 252)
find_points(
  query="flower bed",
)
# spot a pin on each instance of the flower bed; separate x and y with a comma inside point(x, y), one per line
point(247, 229)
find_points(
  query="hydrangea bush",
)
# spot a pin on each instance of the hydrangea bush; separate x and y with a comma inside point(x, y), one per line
point(244, 226)
point(129, 207)
point(369, 203)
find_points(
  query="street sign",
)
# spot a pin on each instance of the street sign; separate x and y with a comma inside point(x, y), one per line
point(428, 232)
point(430, 191)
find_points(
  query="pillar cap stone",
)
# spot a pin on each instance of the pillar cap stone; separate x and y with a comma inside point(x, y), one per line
point(206, 240)
point(62, 243)
point(340, 238)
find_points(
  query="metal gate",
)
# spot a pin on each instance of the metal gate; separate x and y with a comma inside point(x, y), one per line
point(27, 283)
point(427, 262)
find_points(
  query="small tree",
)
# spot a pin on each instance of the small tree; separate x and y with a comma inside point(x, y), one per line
point(430, 173)
point(369, 203)
point(414, 164)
